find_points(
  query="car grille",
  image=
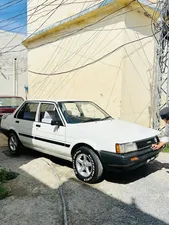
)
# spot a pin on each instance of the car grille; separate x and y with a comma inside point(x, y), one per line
point(146, 143)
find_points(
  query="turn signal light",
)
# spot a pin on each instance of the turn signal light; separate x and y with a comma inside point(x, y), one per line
point(118, 148)
point(134, 158)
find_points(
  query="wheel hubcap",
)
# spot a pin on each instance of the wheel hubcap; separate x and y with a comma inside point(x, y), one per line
point(84, 165)
point(13, 143)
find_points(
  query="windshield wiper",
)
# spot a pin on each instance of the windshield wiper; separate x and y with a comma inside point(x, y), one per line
point(106, 118)
point(96, 119)
point(91, 120)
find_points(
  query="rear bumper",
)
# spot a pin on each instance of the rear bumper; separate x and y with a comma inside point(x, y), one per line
point(128, 161)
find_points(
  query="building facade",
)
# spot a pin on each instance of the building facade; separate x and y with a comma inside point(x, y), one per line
point(103, 52)
point(13, 65)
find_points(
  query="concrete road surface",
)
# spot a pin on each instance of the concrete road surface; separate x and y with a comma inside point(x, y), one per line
point(140, 197)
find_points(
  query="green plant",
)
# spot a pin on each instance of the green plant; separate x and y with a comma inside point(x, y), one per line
point(3, 192)
point(5, 176)
point(166, 149)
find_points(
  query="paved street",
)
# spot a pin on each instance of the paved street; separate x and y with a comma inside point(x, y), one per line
point(140, 197)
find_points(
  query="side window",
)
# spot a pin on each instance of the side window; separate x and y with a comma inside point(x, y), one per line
point(48, 113)
point(28, 112)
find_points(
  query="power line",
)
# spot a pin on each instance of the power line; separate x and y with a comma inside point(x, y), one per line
point(76, 52)
point(117, 10)
point(152, 17)
point(136, 70)
point(64, 57)
point(88, 64)
point(47, 62)
point(37, 28)
point(93, 41)
point(100, 20)
point(43, 4)
point(9, 4)
point(85, 26)
point(80, 29)
point(11, 39)
point(25, 12)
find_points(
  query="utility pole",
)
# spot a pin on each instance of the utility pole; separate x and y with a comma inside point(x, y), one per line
point(162, 76)
point(15, 79)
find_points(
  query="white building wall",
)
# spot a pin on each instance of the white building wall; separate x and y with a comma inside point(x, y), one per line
point(138, 67)
point(119, 83)
point(50, 12)
point(7, 67)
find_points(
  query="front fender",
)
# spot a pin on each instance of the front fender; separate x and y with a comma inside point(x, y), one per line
point(85, 142)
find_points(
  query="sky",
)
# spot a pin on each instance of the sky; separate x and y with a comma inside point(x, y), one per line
point(13, 8)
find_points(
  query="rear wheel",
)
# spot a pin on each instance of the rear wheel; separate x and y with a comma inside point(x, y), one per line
point(87, 165)
point(14, 144)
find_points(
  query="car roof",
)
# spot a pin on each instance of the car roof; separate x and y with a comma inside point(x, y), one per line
point(54, 100)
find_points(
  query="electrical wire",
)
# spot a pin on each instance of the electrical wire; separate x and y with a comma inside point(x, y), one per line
point(40, 12)
point(49, 61)
point(131, 10)
point(136, 70)
point(91, 43)
point(11, 4)
point(83, 27)
point(26, 12)
point(36, 29)
point(152, 17)
point(114, 85)
point(78, 50)
point(100, 20)
point(95, 61)
point(77, 31)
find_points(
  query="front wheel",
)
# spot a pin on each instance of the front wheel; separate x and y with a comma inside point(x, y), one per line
point(87, 165)
point(14, 144)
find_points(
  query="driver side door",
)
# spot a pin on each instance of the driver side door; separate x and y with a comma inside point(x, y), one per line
point(49, 138)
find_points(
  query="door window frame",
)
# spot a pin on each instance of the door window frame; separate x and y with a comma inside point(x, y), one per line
point(27, 102)
point(56, 108)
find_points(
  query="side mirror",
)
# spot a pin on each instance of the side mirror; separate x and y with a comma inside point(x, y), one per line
point(56, 123)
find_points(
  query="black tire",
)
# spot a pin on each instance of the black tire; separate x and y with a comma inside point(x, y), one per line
point(94, 165)
point(15, 148)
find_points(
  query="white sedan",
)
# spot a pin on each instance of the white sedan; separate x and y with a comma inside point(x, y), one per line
point(82, 132)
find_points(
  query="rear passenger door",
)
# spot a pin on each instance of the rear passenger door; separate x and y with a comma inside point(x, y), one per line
point(25, 122)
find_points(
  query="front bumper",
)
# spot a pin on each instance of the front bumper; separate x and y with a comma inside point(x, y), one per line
point(128, 161)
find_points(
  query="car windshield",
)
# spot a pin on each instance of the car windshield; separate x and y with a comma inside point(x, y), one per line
point(82, 112)
point(11, 102)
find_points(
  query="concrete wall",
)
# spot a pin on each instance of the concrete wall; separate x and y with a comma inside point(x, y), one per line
point(7, 64)
point(120, 83)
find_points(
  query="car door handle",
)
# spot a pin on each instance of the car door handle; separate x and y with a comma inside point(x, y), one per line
point(16, 121)
point(37, 125)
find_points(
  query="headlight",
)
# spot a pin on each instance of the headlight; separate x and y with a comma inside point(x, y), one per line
point(125, 148)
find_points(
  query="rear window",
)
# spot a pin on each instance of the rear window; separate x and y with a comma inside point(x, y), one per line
point(11, 102)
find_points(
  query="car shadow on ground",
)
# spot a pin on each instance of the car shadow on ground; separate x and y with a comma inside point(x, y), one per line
point(132, 176)
point(115, 177)
point(35, 202)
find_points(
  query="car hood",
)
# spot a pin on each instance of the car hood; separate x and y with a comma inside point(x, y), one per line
point(117, 130)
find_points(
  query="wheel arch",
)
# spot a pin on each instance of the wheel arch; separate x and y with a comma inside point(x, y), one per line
point(78, 145)
point(12, 131)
